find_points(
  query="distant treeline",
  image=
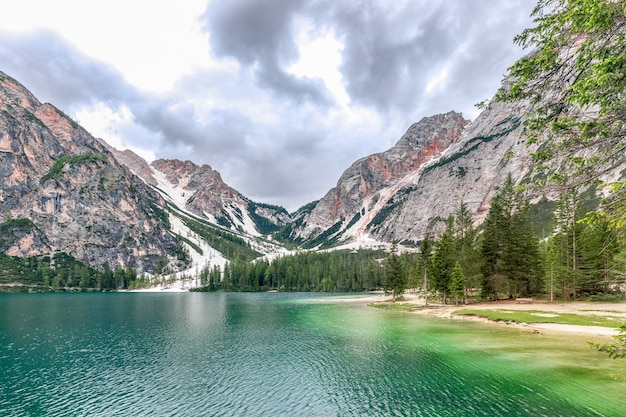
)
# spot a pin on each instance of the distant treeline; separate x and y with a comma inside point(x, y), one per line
point(62, 272)
point(342, 270)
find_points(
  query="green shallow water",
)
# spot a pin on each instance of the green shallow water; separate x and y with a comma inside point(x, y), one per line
point(196, 354)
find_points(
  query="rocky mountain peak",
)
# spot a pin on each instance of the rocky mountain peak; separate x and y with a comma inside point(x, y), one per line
point(432, 130)
point(134, 162)
point(186, 173)
point(12, 92)
point(363, 182)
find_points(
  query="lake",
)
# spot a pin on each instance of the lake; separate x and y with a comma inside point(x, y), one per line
point(281, 354)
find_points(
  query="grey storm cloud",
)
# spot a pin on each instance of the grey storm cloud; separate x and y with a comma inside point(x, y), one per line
point(47, 64)
point(259, 33)
point(391, 49)
point(261, 161)
point(271, 134)
point(55, 71)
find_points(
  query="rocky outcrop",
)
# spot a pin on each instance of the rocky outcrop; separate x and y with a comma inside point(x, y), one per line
point(202, 187)
point(70, 190)
point(200, 190)
point(134, 162)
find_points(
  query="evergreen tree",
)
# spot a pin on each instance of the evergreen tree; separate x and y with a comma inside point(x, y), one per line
point(525, 271)
point(395, 278)
point(457, 283)
point(567, 235)
point(425, 266)
point(467, 249)
point(510, 246)
point(372, 275)
point(493, 250)
point(444, 260)
point(598, 249)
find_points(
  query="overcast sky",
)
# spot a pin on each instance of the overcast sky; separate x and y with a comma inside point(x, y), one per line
point(279, 96)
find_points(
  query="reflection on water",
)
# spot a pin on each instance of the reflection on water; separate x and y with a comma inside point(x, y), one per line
point(281, 355)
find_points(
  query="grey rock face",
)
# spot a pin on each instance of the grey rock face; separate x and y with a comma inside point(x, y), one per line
point(79, 199)
point(365, 187)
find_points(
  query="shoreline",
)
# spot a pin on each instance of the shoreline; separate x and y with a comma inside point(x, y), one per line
point(575, 307)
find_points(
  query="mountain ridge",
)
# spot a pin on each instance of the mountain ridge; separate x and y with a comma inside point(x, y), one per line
point(65, 191)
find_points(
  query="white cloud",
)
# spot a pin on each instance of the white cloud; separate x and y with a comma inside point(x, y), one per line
point(437, 82)
point(152, 43)
point(118, 127)
point(320, 57)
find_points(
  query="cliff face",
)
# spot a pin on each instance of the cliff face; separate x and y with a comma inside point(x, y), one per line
point(409, 191)
point(471, 170)
point(76, 197)
point(365, 187)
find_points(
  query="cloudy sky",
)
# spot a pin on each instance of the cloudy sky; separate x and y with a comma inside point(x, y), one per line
point(280, 96)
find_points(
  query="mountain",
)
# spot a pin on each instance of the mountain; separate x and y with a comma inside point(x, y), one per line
point(408, 191)
point(201, 191)
point(374, 183)
point(61, 190)
point(64, 191)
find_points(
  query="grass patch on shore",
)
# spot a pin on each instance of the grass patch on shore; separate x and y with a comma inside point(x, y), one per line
point(536, 316)
point(394, 306)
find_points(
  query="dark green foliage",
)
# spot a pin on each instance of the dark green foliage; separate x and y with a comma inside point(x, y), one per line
point(424, 268)
point(511, 260)
point(395, 278)
point(285, 232)
point(444, 260)
point(178, 238)
point(616, 350)
point(264, 225)
point(325, 239)
point(11, 224)
point(457, 283)
point(12, 230)
point(580, 256)
point(57, 167)
point(224, 220)
point(466, 247)
point(273, 207)
point(227, 243)
point(396, 201)
point(382, 215)
point(353, 221)
point(341, 271)
point(41, 273)
point(307, 208)
point(160, 213)
point(543, 213)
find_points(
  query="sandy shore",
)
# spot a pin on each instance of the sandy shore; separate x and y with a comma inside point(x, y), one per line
point(616, 310)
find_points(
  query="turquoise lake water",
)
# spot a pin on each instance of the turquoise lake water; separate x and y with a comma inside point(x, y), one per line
point(198, 354)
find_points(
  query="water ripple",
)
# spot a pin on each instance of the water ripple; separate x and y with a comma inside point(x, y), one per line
point(248, 355)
